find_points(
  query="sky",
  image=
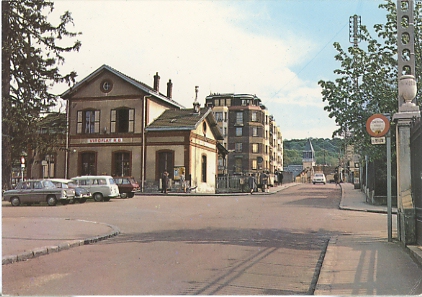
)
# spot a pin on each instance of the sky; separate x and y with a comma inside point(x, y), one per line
point(277, 50)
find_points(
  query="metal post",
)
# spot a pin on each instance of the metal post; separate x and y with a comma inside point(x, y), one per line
point(389, 212)
point(366, 176)
point(144, 123)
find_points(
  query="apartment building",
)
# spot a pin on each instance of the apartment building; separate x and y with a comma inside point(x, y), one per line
point(251, 136)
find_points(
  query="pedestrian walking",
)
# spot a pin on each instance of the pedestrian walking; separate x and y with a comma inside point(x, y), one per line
point(264, 182)
point(336, 179)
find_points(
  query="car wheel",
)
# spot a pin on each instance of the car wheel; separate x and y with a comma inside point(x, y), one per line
point(51, 200)
point(123, 195)
point(15, 201)
point(130, 195)
point(98, 197)
point(314, 183)
point(82, 200)
point(72, 201)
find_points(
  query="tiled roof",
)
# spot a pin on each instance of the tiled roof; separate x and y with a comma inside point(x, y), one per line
point(184, 120)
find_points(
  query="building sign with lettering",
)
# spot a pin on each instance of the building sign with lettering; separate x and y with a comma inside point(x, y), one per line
point(104, 140)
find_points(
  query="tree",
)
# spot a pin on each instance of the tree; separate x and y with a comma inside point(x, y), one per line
point(367, 80)
point(31, 56)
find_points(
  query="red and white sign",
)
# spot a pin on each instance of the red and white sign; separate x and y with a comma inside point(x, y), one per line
point(377, 125)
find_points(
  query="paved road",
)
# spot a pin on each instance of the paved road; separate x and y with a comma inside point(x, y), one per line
point(267, 244)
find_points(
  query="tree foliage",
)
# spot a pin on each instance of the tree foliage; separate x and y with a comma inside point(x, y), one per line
point(32, 53)
point(367, 79)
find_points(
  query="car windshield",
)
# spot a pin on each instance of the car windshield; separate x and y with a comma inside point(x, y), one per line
point(48, 184)
point(111, 180)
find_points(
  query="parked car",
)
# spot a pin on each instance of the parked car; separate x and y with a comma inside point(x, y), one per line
point(102, 187)
point(38, 191)
point(81, 194)
point(128, 186)
point(319, 178)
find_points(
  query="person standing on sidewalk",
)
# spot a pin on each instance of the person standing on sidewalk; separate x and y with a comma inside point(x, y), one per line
point(165, 182)
point(251, 183)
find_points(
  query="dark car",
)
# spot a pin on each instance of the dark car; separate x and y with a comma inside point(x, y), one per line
point(128, 186)
point(38, 191)
point(81, 194)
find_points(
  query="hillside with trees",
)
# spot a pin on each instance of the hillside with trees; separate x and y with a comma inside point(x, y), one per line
point(326, 151)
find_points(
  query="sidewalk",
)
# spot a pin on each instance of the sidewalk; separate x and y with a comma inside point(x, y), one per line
point(367, 264)
point(32, 241)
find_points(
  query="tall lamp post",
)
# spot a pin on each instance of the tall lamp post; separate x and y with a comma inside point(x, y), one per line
point(407, 112)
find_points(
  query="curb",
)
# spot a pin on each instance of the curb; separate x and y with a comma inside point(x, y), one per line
point(37, 252)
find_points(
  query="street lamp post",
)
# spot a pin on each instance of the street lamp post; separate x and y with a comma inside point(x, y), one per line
point(407, 112)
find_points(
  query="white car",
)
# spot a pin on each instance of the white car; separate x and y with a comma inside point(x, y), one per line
point(319, 178)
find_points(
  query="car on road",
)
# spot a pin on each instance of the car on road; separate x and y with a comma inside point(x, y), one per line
point(319, 178)
point(128, 186)
point(102, 187)
point(81, 194)
point(38, 191)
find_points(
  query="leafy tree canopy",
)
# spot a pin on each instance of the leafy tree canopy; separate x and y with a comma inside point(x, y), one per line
point(366, 81)
point(32, 53)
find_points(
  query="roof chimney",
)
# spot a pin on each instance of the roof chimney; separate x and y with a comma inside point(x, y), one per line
point(169, 89)
point(157, 82)
point(196, 105)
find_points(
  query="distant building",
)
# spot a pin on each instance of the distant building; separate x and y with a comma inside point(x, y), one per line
point(308, 155)
point(250, 134)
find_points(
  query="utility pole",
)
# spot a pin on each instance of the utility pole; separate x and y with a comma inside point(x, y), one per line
point(407, 112)
point(354, 37)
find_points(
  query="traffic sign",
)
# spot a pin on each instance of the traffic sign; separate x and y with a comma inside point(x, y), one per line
point(377, 140)
point(377, 125)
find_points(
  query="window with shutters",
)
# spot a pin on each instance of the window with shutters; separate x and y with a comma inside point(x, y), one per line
point(88, 122)
point(122, 120)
